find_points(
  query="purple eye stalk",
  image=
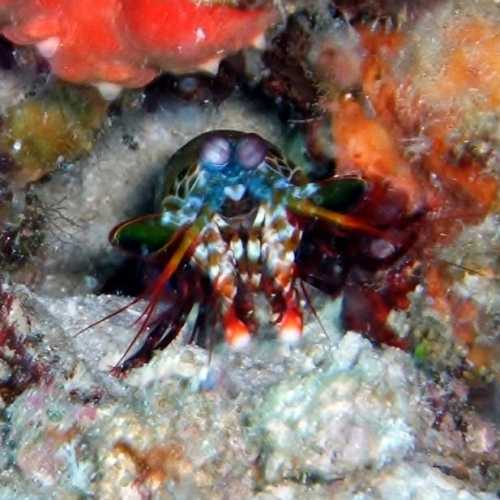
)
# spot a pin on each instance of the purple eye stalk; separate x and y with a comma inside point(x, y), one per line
point(216, 152)
point(250, 151)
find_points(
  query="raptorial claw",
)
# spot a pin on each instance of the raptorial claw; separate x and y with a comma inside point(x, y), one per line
point(305, 207)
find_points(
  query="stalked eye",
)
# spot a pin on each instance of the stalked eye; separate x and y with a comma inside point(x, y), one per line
point(251, 151)
point(216, 152)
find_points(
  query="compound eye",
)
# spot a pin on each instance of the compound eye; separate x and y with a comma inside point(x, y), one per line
point(251, 151)
point(216, 152)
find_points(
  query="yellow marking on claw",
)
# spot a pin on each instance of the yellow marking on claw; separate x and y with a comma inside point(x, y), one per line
point(305, 207)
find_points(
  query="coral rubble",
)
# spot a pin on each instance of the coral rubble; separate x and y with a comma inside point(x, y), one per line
point(245, 424)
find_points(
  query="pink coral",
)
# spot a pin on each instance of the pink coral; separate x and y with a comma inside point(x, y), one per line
point(126, 42)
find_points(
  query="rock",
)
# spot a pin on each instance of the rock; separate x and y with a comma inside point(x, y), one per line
point(329, 418)
point(358, 411)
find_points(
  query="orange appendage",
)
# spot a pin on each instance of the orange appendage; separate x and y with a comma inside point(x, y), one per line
point(290, 326)
point(128, 41)
point(236, 333)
